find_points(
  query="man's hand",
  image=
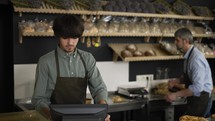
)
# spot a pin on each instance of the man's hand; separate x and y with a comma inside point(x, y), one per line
point(173, 82)
point(107, 118)
point(170, 97)
point(46, 113)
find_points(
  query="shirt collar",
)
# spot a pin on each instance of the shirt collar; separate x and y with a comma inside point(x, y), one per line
point(187, 53)
point(62, 53)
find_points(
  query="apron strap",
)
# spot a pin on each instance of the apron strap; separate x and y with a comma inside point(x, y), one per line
point(82, 59)
point(188, 59)
point(57, 63)
point(188, 81)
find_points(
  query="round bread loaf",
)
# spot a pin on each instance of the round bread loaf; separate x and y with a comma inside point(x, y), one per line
point(150, 53)
point(117, 99)
point(138, 53)
point(131, 47)
point(126, 53)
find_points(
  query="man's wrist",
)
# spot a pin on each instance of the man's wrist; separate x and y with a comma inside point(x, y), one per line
point(102, 102)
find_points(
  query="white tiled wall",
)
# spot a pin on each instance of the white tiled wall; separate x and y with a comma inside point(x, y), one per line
point(24, 80)
point(113, 73)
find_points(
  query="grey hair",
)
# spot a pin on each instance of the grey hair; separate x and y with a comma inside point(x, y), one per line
point(184, 33)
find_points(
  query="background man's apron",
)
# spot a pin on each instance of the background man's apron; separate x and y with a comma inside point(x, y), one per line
point(196, 106)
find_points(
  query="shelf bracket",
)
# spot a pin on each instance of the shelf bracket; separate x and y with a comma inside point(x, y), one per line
point(159, 39)
point(20, 36)
point(115, 56)
point(20, 14)
point(98, 17)
point(199, 39)
point(146, 39)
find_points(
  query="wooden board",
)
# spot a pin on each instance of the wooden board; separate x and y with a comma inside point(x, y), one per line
point(160, 54)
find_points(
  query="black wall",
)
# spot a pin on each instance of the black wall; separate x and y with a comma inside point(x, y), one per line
point(4, 2)
point(6, 61)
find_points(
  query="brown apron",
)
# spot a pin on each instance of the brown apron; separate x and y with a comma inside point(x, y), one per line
point(196, 106)
point(69, 90)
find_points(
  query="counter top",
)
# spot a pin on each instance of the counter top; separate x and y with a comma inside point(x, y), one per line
point(179, 101)
point(153, 102)
point(31, 115)
point(128, 104)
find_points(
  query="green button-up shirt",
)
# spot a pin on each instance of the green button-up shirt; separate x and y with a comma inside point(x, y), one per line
point(70, 66)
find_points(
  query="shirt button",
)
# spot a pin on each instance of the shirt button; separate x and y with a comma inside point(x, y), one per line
point(70, 61)
point(72, 73)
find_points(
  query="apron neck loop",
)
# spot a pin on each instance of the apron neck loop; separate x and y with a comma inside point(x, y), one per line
point(57, 64)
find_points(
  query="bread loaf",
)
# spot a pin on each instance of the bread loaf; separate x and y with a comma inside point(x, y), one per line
point(118, 99)
point(150, 53)
point(131, 47)
point(138, 53)
point(126, 53)
point(192, 118)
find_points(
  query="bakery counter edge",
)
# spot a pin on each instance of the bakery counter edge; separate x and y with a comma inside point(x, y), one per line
point(126, 104)
point(121, 105)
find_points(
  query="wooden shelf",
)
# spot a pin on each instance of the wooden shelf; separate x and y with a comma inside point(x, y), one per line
point(50, 34)
point(204, 35)
point(49, 9)
point(76, 9)
point(117, 34)
point(194, 35)
point(210, 56)
point(160, 53)
point(45, 34)
point(37, 34)
point(129, 34)
point(149, 15)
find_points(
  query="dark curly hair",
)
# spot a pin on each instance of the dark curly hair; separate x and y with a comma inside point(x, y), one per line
point(68, 26)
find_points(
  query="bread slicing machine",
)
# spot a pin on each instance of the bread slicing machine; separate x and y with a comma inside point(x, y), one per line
point(132, 90)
